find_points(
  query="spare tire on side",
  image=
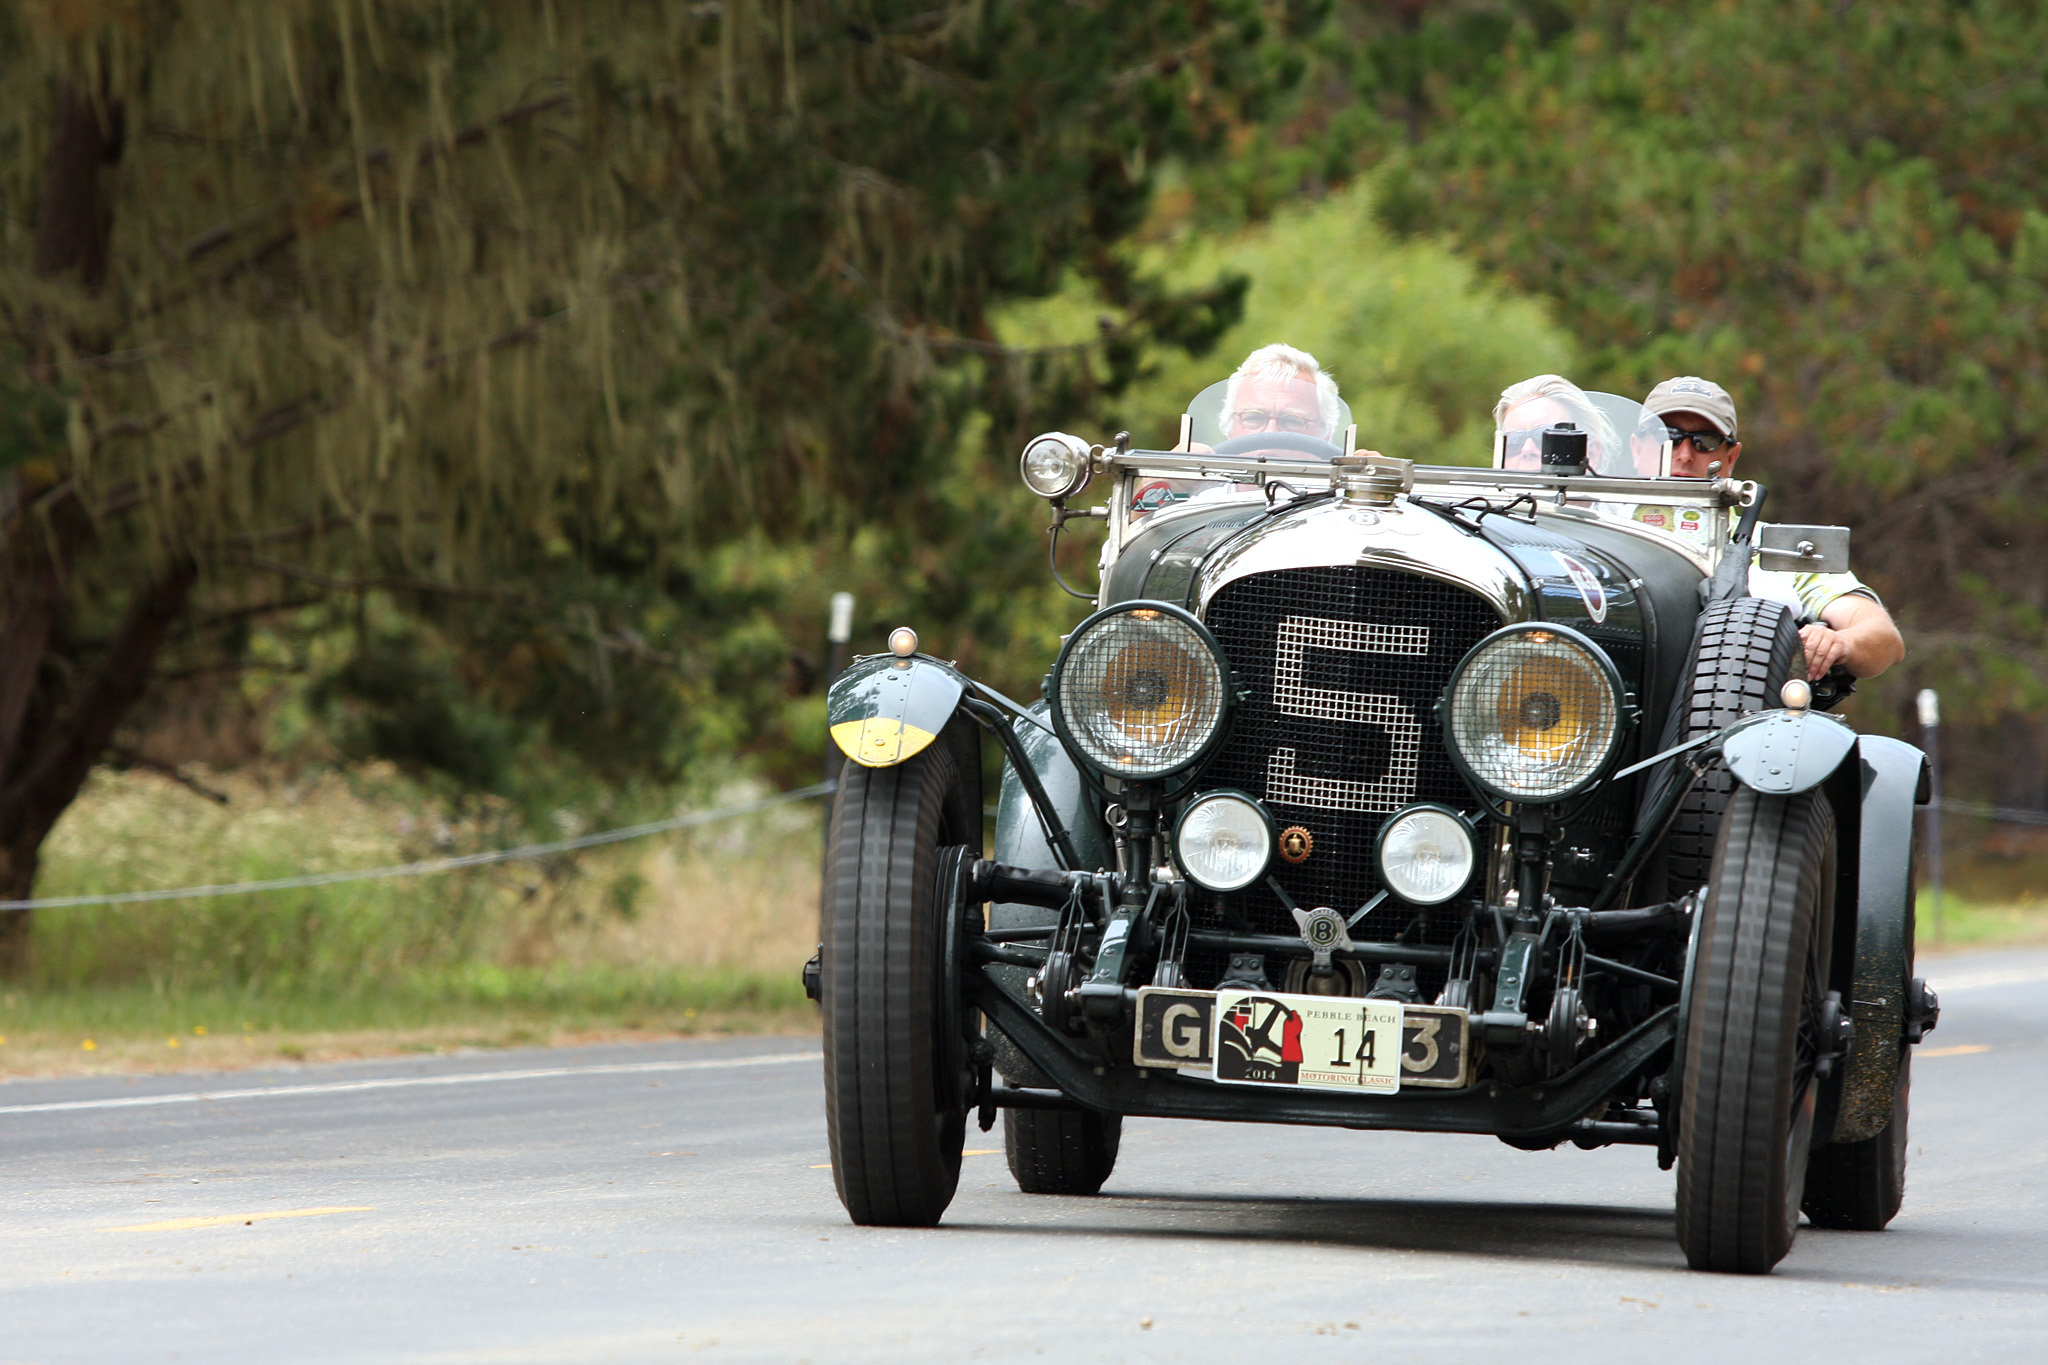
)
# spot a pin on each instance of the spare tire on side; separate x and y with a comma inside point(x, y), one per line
point(1744, 650)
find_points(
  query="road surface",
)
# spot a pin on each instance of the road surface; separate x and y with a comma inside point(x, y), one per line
point(666, 1202)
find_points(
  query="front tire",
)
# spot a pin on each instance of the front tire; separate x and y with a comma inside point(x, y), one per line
point(1751, 1043)
point(896, 1060)
point(1056, 1151)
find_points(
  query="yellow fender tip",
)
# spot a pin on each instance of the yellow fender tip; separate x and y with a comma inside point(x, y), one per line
point(878, 742)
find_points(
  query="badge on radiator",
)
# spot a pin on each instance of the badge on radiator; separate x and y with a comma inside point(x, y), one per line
point(1324, 931)
point(1296, 844)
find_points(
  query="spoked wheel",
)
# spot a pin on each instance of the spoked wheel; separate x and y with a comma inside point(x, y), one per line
point(897, 1073)
point(1055, 1151)
point(1753, 1036)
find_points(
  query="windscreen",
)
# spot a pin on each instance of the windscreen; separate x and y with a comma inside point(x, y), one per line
point(1217, 415)
point(1623, 440)
point(1211, 420)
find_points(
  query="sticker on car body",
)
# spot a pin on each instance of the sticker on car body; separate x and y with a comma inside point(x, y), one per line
point(1312, 1041)
point(1588, 583)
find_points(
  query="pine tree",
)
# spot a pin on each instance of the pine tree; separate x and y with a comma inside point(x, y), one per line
point(1836, 211)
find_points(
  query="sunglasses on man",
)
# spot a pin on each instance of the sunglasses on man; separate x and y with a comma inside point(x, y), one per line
point(1705, 442)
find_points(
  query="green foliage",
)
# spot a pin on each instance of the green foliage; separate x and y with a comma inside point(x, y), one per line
point(1835, 211)
point(463, 280)
point(31, 421)
point(399, 699)
point(43, 1026)
point(1420, 345)
point(646, 325)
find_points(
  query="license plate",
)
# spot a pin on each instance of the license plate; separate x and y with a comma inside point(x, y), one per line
point(1179, 1028)
point(1319, 1041)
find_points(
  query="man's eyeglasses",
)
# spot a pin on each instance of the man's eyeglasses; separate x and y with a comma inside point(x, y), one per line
point(1705, 442)
point(1258, 419)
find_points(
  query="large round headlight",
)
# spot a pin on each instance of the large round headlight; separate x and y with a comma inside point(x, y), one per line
point(1224, 841)
point(1534, 713)
point(1139, 690)
point(1056, 465)
point(1426, 854)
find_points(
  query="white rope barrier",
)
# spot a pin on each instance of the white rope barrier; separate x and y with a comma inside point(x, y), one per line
point(430, 866)
point(2006, 815)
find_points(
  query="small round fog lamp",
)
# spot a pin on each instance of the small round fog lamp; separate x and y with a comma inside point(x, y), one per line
point(903, 642)
point(1426, 854)
point(1224, 841)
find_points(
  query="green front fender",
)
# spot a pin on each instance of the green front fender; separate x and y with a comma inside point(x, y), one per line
point(883, 709)
point(1777, 753)
point(1867, 1079)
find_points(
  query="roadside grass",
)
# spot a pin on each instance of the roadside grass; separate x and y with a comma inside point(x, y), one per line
point(700, 931)
point(1966, 922)
point(1996, 894)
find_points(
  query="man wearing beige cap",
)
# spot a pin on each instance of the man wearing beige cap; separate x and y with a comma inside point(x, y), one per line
point(1849, 625)
point(1699, 417)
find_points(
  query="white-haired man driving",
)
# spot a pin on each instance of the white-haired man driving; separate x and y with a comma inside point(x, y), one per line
point(1280, 388)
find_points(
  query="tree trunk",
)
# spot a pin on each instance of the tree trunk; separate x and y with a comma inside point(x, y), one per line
point(56, 757)
point(75, 220)
point(43, 731)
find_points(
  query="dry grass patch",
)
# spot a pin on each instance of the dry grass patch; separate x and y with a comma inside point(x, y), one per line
point(697, 931)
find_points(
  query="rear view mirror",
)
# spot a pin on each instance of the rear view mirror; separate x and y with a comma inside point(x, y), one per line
point(1803, 549)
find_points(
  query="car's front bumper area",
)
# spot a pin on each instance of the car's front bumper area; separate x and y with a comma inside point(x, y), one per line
point(1566, 1106)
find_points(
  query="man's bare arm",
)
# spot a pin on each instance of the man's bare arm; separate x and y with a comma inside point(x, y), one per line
point(1857, 633)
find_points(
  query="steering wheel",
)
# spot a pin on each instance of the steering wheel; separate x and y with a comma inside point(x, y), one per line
point(1277, 440)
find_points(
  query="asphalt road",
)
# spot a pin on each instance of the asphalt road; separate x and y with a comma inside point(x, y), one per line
point(668, 1202)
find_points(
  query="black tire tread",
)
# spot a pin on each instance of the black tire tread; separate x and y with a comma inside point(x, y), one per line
point(895, 1146)
point(1744, 650)
point(1053, 1151)
point(1859, 1186)
point(1768, 891)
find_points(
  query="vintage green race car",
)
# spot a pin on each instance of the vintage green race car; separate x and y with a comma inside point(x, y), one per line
point(1444, 799)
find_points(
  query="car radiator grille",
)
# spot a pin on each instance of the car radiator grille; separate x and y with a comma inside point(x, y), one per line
point(1340, 670)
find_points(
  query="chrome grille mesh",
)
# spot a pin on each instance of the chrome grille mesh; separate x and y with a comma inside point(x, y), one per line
point(1340, 670)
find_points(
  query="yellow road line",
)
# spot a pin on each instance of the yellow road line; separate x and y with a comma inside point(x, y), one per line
point(971, 1151)
point(1959, 1050)
point(180, 1224)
